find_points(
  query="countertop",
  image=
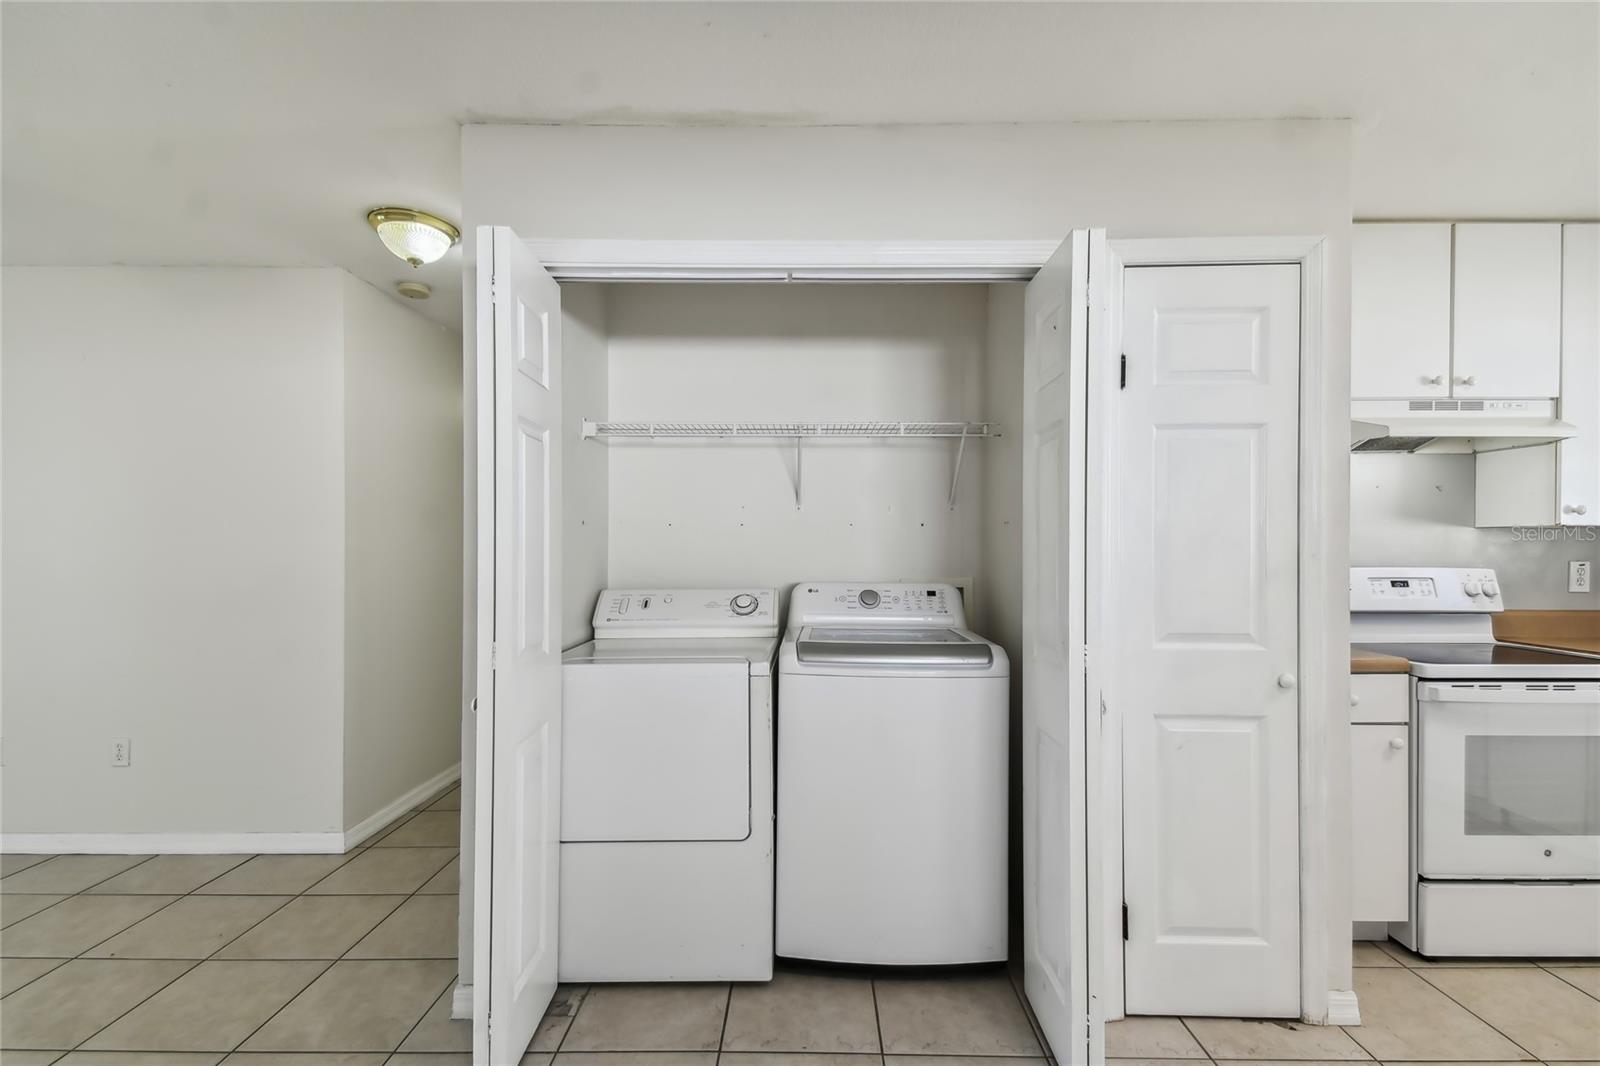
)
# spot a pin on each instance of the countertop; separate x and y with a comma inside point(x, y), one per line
point(1565, 630)
point(1371, 662)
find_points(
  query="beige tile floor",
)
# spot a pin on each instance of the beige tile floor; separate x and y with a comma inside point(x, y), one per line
point(348, 960)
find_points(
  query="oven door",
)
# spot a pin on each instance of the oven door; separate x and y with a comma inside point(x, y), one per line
point(1508, 780)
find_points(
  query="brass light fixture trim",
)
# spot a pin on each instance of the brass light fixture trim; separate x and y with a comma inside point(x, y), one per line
point(418, 237)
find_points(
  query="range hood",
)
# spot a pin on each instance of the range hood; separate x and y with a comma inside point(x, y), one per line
point(1460, 426)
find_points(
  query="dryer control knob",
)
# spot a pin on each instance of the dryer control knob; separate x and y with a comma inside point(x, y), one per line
point(743, 604)
point(868, 598)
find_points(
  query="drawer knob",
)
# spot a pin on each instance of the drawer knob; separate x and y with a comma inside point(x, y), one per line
point(1437, 379)
point(1575, 508)
point(1468, 380)
point(1355, 701)
point(1397, 743)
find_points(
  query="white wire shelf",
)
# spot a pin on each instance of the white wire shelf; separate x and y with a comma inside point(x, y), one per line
point(798, 432)
point(786, 430)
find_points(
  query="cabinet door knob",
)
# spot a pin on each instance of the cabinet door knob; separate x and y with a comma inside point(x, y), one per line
point(1437, 379)
point(1286, 681)
point(1397, 743)
point(1575, 508)
point(1355, 701)
point(1469, 380)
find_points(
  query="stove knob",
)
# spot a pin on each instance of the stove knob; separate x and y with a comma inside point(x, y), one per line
point(743, 604)
point(868, 598)
point(1490, 589)
point(1472, 588)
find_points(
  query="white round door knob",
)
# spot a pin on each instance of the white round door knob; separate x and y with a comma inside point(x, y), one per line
point(1397, 743)
point(1286, 681)
point(1575, 508)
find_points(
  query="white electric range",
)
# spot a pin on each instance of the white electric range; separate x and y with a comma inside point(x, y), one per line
point(1505, 774)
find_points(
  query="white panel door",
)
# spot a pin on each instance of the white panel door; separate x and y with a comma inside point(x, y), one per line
point(1399, 310)
point(1054, 784)
point(1507, 310)
point(1206, 579)
point(1578, 458)
point(517, 839)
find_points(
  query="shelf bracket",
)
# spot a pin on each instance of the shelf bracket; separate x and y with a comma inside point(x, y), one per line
point(797, 442)
point(955, 476)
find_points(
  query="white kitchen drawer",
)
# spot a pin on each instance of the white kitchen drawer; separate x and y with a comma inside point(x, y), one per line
point(1380, 822)
point(1380, 699)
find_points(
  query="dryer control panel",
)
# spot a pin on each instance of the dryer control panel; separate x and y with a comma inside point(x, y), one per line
point(899, 602)
point(699, 613)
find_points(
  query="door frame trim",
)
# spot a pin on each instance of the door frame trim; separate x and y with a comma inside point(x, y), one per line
point(1318, 549)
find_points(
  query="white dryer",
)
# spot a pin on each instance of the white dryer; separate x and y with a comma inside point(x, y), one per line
point(666, 788)
point(892, 765)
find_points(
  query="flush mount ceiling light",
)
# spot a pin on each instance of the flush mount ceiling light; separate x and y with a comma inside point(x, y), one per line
point(415, 236)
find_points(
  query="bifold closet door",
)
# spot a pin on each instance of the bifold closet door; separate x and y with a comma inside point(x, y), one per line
point(1056, 926)
point(518, 801)
point(1207, 602)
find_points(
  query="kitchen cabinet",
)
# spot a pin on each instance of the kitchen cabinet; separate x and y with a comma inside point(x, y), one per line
point(1558, 484)
point(1578, 458)
point(1380, 797)
point(1400, 310)
point(1507, 319)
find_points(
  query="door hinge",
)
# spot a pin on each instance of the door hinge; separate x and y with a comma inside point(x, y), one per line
point(1124, 382)
point(494, 656)
point(1124, 921)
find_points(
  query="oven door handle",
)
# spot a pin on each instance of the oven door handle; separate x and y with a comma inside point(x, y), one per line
point(1513, 692)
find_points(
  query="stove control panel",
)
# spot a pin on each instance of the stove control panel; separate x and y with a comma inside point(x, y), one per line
point(686, 613)
point(1431, 589)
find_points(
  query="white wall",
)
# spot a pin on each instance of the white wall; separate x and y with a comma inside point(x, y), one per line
point(173, 549)
point(585, 485)
point(402, 542)
point(1417, 510)
point(717, 515)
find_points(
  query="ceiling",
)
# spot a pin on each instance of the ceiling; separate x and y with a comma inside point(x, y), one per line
point(259, 134)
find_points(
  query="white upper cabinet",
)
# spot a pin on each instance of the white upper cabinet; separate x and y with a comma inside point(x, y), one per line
point(1578, 458)
point(1400, 311)
point(1507, 310)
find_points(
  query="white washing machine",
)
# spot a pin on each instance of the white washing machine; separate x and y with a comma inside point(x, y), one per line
point(666, 788)
point(892, 750)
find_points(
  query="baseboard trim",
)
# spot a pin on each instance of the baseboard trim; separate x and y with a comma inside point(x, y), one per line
point(461, 1003)
point(400, 805)
point(171, 843)
point(223, 843)
point(1343, 1008)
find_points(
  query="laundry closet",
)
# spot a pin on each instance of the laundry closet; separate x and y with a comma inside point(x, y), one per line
point(981, 434)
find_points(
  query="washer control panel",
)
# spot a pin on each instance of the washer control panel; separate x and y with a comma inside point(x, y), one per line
point(686, 613)
point(1471, 590)
point(897, 602)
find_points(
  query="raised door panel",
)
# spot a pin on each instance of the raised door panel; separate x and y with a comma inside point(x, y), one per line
point(1399, 310)
point(1507, 311)
point(1579, 456)
point(1380, 823)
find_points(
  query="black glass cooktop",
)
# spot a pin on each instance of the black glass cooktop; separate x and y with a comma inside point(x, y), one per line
point(1478, 655)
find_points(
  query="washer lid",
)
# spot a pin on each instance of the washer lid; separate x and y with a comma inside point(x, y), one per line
point(891, 646)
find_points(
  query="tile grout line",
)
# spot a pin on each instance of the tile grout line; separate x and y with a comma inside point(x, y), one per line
point(198, 962)
point(1474, 1013)
point(449, 989)
point(722, 1037)
point(1563, 980)
point(877, 1020)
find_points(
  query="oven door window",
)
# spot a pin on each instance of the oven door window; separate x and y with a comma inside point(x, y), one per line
point(1532, 786)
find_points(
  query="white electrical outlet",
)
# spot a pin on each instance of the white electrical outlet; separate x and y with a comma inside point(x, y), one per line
point(121, 751)
point(1580, 575)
